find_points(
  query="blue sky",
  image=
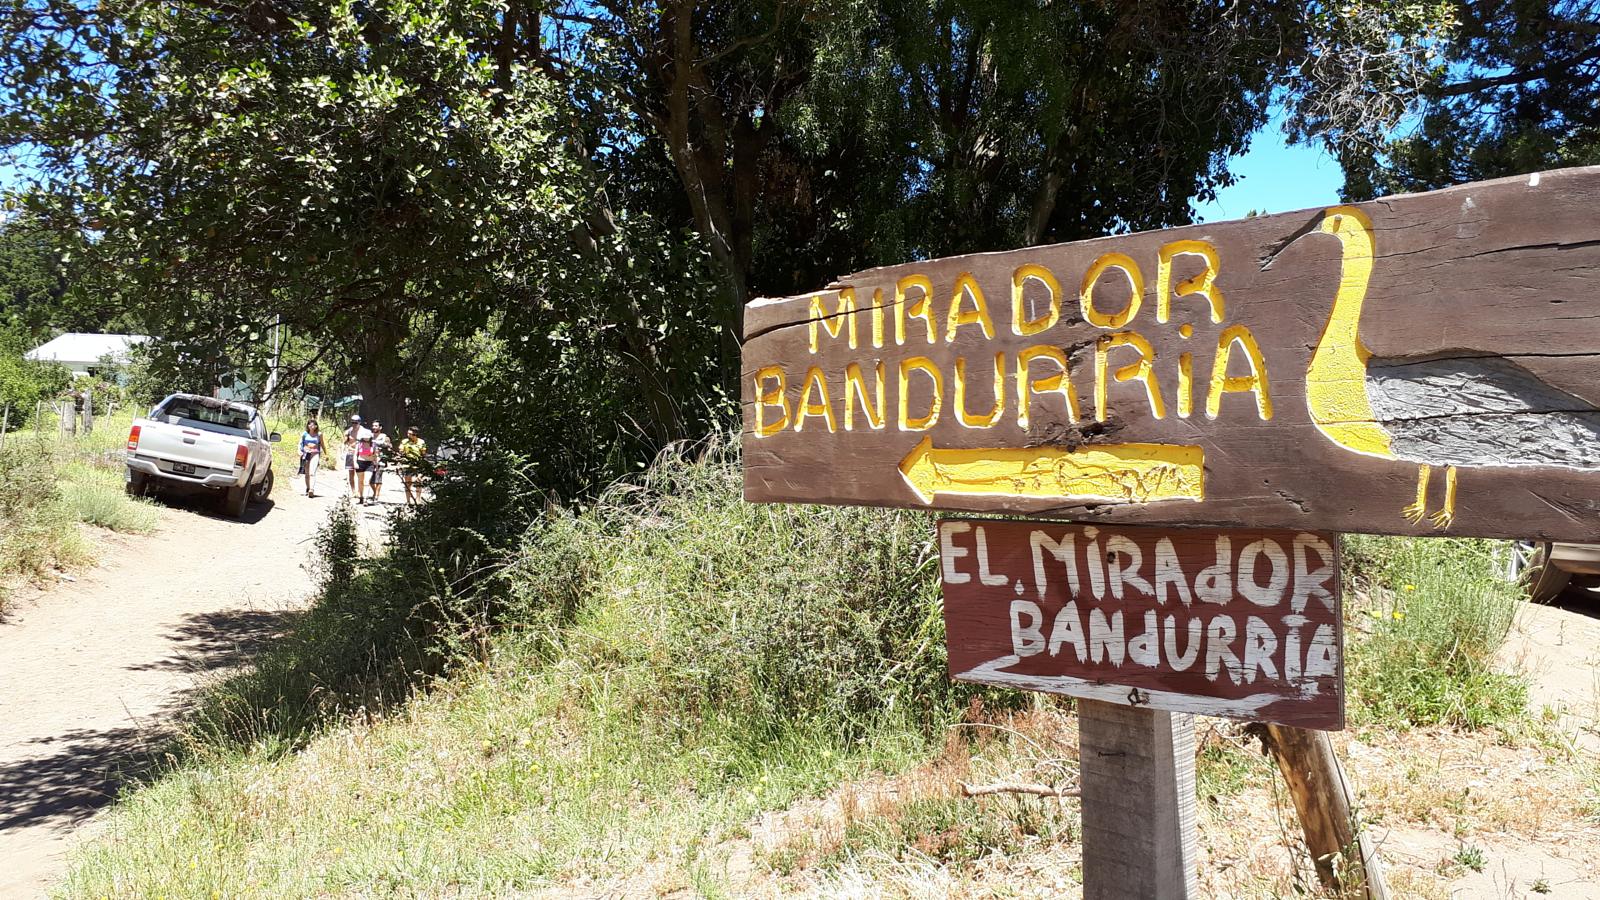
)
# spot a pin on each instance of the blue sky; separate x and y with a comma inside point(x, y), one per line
point(1275, 177)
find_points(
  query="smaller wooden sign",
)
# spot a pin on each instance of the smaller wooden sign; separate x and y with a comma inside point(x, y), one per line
point(1242, 623)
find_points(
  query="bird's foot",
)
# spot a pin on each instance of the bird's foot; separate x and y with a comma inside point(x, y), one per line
point(1415, 513)
point(1443, 518)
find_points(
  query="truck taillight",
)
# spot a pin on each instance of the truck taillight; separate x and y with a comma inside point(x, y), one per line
point(241, 455)
point(133, 438)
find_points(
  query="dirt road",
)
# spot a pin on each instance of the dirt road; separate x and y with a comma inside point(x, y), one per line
point(92, 669)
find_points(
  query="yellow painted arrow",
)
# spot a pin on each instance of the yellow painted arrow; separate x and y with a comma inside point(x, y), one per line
point(1113, 473)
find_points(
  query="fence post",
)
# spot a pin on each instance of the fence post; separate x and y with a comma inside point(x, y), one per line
point(1137, 771)
point(88, 412)
point(5, 425)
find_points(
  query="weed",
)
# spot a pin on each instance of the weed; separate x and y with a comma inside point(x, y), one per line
point(1541, 885)
point(1228, 764)
point(1471, 857)
point(627, 683)
point(1439, 615)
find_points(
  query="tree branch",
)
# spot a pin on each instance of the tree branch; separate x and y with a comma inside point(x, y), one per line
point(1473, 85)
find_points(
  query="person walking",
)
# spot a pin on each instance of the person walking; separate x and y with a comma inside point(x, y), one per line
point(357, 457)
point(413, 455)
point(311, 450)
point(382, 450)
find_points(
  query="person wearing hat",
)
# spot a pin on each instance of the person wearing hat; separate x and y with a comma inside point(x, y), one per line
point(357, 457)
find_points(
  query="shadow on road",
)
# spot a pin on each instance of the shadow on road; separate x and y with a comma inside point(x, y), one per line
point(65, 778)
point(73, 774)
point(208, 504)
point(225, 639)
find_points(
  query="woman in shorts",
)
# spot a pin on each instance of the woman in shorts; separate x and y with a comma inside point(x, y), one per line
point(357, 457)
point(311, 450)
point(382, 447)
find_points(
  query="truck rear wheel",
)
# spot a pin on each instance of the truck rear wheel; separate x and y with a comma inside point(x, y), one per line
point(263, 490)
point(137, 484)
point(237, 501)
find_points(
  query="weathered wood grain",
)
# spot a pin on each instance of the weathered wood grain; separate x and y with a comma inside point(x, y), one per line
point(1241, 623)
point(1137, 768)
point(1345, 858)
point(1495, 286)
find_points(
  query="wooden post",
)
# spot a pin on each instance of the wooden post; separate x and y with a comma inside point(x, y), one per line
point(88, 412)
point(1137, 771)
point(5, 425)
point(1345, 858)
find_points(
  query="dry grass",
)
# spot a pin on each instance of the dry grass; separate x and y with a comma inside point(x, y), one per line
point(1433, 797)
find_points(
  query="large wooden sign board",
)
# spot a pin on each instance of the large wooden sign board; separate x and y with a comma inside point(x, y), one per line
point(1425, 364)
point(1236, 623)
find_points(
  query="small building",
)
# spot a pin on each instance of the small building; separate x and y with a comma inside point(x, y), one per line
point(82, 354)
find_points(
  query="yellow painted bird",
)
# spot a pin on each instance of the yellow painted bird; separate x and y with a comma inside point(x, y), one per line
point(1463, 411)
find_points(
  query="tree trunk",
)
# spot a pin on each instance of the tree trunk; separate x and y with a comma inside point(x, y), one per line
point(381, 400)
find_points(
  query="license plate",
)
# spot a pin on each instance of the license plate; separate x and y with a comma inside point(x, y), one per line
point(183, 468)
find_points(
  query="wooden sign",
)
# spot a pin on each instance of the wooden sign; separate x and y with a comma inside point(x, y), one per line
point(1425, 364)
point(1238, 623)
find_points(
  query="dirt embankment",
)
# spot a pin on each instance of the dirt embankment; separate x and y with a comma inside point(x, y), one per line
point(93, 668)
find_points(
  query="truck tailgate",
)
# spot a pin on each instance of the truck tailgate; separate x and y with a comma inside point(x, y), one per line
point(189, 446)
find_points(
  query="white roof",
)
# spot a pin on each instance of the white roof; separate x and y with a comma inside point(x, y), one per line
point(85, 348)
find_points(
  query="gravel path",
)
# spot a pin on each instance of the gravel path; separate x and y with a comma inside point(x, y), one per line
point(93, 669)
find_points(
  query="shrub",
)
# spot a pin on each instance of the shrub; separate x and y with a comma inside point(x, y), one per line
point(702, 611)
point(382, 624)
point(107, 506)
point(708, 611)
point(1440, 612)
point(36, 530)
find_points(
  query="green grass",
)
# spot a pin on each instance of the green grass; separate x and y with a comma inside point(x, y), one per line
point(37, 530)
point(108, 507)
point(650, 686)
point(1439, 613)
point(49, 484)
point(954, 830)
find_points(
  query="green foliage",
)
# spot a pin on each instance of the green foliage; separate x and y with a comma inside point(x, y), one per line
point(23, 382)
point(979, 146)
point(956, 830)
point(1440, 612)
point(1471, 857)
point(382, 626)
point(98, 499)
point(1416, 96)
point(625, 677)
point(510, 217)
point(37, 532)
point(813, 615)
point(32, 284)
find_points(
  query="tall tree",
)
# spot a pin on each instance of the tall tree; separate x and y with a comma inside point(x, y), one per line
point(32, 282)
point(1419, 96)
point(808, 138)
point(369, 173)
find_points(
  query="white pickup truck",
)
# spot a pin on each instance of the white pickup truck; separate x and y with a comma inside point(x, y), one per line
point(189, 441)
